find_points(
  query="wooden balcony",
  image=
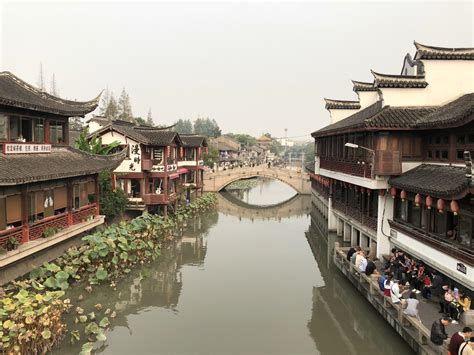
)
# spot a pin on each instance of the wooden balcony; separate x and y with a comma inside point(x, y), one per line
point(356, 214)
point(158, 199)
point(385, 163)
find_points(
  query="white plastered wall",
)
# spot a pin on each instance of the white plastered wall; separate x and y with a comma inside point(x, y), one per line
point(447, 80)
point(339, 114)
point(132, 165)
point(367, 98)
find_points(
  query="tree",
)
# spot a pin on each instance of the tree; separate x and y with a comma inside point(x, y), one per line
point(94, 144)
point(76, 124)
point(104, 102)
point(211, 157)
point(243, 138)
point(41, 85)
point(183, 126)
point(149, 118)
point(54, 88)
point(141, 122)
point(207, 127)
point(112, 203)
point(124, 107)
point(111, 111)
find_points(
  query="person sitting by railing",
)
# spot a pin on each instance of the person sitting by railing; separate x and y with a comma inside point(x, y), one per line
point(395, 292)
point(458, 305)
point(412, 306)
point(371, 268)
point(387, 286)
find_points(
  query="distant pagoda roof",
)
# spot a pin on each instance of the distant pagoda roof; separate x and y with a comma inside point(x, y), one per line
point(363, 86)
point(332, 104)
point(264, 138)
point(431, 52)
point(399, 81)
point(15, 92)
point(62, 162)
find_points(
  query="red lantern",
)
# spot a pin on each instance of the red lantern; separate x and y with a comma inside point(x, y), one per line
point(429, 202)
point(454, 207)
point(440, 205)
point(403, 195)
point(417, 200)
point(393, 192)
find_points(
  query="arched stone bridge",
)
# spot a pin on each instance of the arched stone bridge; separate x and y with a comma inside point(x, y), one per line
point(297, 179)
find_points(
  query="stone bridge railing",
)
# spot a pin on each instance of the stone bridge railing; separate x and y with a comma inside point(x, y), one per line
point(296, 178)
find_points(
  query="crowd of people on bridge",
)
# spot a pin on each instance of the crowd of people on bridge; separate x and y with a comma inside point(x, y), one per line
point(402, 278)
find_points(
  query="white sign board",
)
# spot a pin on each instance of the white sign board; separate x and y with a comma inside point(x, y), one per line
point(26, 148)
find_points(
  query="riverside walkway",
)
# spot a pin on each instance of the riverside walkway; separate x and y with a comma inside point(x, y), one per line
point(296, 178)
point(415, 332)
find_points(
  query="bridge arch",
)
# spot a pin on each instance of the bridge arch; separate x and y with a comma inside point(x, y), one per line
point(298, 180)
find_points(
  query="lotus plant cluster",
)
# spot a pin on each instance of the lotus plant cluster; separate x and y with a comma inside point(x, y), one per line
point(32, 308)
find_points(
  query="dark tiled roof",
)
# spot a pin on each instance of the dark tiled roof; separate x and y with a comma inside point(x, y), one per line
point(145, 135)
point(430, 52)
point(17, 93)
point(99, 119)
point(399, 81)
point(342, 104)
point(440, 181)
point(62, 162)
point(453, 114)
point(363, 86)
point(191, 140)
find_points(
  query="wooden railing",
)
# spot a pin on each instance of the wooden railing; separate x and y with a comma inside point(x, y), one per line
point(83, 213)
point(356, 214)
point(455, 250)
point(57, 222)
point(385, 163)
point(7, 233)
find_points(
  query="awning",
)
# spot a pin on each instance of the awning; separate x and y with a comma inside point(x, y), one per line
point(174, 176)
point(182, 171)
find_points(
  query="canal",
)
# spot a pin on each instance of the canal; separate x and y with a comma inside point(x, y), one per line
point(243, 280)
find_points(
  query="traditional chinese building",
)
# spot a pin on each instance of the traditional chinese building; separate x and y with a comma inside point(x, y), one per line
point(191, 158)
point(390, 170)
point(153, 170)
point(47, 188)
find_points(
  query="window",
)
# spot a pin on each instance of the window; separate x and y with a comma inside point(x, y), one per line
point(35, 206)
point(56, 129)
point(76, 197)
point(440, 223)
point(3, 213)
point(3, 128)
point(414, 214)
point(464, 233)
point(39, 130)
point(158, 155)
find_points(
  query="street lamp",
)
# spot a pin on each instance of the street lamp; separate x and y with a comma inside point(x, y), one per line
point(371, 151)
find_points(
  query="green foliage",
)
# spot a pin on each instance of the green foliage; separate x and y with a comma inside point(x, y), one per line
point(125, 107)
point(50, 231)
point(243, 138)
point(94, 144)
point(276, 147)
point(184, 126)
point(211, 157)
point(112, 203)
point(207, 127)
point(31, 309)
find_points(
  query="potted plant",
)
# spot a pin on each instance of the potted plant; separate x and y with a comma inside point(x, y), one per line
point(12, 243)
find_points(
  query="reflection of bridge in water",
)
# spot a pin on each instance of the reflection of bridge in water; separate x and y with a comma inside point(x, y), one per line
point(297, 205)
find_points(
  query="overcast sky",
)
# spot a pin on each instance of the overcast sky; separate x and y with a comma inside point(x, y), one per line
point(253, 67)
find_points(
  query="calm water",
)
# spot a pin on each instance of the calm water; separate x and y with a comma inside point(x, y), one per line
point(235, 284)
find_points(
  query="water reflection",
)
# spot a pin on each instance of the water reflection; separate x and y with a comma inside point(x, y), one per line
point(339, 309)
point(266, 192)
point(239, 282)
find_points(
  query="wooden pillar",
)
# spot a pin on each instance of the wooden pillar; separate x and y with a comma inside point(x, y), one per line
point(69, 202)
point(66, 132)
point(47, 135)
point(25, 228)
point(97, 202)
point(165, 182)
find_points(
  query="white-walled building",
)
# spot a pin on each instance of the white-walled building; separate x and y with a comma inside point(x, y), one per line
point(402, 181)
